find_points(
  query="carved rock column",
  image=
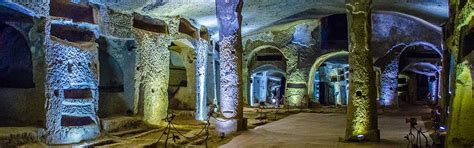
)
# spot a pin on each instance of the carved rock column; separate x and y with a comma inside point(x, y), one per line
point(230, 49)
point(362, 111)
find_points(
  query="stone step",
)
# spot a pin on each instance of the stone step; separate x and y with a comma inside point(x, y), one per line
point(15, 136)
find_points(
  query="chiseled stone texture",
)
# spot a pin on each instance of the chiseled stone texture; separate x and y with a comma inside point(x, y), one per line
point(362, 110)
point(39, 6)
point(114, 23)
point(152, 74)
point(229, 78)
point(389, 83)
point(230, 51)
point(70, 66)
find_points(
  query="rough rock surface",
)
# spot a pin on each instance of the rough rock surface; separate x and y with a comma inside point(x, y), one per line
point(152, 75)
point(71, 66)
point(362, 110)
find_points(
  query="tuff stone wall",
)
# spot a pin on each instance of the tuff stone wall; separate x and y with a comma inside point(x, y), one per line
point(461, 113)
point(114, 23)
point(40, 7)
point(390, 29)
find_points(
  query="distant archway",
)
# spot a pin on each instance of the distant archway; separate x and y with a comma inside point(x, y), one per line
point(267, 86)
point(316, 66)
point(262, 57)
point(415, 58)
point(182, 80)
point(16, 69)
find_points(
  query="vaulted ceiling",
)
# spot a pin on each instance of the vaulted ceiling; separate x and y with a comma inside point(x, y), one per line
point(258, 14)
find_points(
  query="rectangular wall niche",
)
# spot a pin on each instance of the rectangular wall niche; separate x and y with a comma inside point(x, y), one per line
point(76, 12)
point(72, 33)
point(67, 120)
point(78, 94)
point(269, 58)
point(187, 28)
point(294, 85)
point(149, 24)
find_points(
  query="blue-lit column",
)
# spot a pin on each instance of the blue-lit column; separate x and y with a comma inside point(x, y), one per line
point(389, 84)
point(201, 77)
point(361, 110)
point(230, 49)
point(72, 81)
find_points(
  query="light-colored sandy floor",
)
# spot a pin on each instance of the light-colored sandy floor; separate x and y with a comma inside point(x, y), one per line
point(324, 130)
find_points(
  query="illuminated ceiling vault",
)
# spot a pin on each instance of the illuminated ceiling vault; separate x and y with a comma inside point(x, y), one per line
point(259, 14)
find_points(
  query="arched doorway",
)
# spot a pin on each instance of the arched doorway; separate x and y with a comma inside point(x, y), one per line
point(421, 67)
point(266, 76)
point(328, 79)
point(15, 57)
point(19, 98)
point(111, 87)
point(267, 86)
point(182, 76)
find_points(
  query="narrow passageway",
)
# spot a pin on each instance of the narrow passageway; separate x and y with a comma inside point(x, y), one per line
point(325, 130)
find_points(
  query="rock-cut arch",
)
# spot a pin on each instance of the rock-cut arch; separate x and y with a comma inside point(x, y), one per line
point(320, 60)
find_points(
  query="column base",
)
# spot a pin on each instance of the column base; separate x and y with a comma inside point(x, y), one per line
point(226, 127)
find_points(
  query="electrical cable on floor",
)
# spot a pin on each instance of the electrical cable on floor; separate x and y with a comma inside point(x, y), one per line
point(169, 119)
point(170, 125)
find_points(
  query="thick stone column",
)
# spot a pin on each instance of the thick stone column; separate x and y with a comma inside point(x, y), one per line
point(362, 111)
point(72, 80)
point(230, 50)
point(152, 75)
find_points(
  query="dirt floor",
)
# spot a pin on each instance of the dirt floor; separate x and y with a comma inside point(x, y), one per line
point(270, 127)
point(326, 130)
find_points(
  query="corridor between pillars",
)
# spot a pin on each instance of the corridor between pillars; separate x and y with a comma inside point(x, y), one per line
point(361, 111)
point(229, 18)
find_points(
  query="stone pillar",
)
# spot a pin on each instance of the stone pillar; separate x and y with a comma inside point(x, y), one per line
point(262, 91)
point(443, 102)
point(201, 77)
point(412, 88)
point(72, 81)
point(230, 46)
point(389, 84)
point(152, 75)
point(361, 111)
